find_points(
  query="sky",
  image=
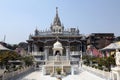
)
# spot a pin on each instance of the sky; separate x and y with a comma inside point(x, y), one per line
point(19, 18)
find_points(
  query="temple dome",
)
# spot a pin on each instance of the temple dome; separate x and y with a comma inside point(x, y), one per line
point(57, 45)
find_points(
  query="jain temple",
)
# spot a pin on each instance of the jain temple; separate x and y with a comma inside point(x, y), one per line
point(57, 47)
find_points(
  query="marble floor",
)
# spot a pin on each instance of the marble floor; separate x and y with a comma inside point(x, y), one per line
point(83, 75)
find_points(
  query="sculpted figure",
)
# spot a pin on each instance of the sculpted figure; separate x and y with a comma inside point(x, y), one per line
point(58, 56)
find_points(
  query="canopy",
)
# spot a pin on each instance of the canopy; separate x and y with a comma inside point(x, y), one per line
point(112, 46)
point(3, 48)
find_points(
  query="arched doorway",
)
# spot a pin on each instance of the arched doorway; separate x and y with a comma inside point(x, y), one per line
point(57, 53)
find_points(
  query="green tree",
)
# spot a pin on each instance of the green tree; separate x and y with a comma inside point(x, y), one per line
point(28, 60)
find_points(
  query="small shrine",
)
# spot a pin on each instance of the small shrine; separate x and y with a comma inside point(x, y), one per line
point(57, 66)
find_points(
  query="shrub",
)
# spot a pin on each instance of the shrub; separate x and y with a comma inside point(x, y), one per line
point(58, 70)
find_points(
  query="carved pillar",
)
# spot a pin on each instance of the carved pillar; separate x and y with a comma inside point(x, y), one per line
point(28, 48)
point(62, 69)
point(32, 47)
point(67, 52)
point(46, 52)
point(118, 74)
point(35, 48)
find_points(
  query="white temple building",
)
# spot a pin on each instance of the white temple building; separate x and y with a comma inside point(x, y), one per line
point(45, 45)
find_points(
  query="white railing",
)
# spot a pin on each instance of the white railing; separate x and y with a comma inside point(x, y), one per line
point(38, 60)
point(75, 53)
point(37, 53)
point(66, 62)
point(61, 58)
point(57, 63)
point(49, 62)
point(75, 59)
point(97, 72)
point(15, 75)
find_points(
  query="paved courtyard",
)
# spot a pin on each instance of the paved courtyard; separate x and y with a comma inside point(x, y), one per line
point(83, 75)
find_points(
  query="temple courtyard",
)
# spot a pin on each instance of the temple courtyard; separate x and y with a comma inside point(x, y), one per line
point(82, 75)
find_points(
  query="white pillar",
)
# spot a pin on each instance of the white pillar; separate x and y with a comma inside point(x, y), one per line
point(35, 48)
point(28, 48)
point(46, 52)
point(62, 69)
point(113, 76)
point(44, 70)
point(72, 70)
point(67, 52)
point(53, 67)
point(118, 76)
point(32, 48)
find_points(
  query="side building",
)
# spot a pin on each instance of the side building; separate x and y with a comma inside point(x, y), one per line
point(40, 44)
point(100, 40)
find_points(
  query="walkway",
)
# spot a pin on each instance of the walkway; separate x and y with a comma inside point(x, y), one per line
point(84, 75)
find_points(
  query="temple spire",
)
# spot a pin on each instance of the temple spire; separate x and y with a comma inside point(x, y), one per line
point(56, 27)
point(56, 11)
point(57, 19)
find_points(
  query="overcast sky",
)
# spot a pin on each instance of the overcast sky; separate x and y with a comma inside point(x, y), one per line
point(19, 18)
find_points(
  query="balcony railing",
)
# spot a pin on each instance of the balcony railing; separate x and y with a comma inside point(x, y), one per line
point(61, 58)
point(75, 59)
point(37, 53)
point(39, 60)
point(75, 53)
point(55, 63)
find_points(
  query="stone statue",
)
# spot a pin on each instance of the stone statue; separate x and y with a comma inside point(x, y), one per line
point(117, 57)
point(58, 56)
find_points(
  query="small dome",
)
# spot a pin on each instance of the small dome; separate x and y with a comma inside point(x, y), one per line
point(57, 45)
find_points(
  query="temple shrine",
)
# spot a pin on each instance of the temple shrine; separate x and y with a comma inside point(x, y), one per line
point(56, 46)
